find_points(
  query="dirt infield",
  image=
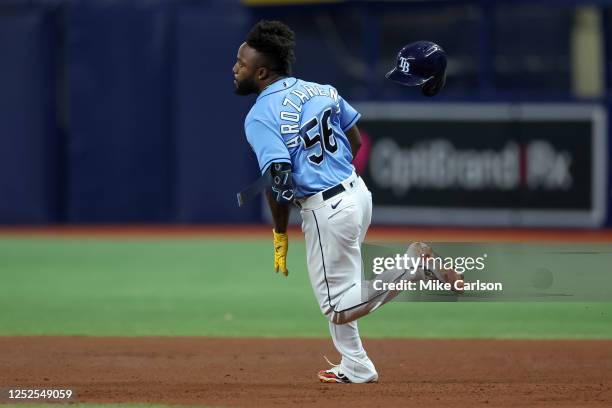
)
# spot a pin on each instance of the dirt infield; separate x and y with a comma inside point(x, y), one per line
point(273, 372)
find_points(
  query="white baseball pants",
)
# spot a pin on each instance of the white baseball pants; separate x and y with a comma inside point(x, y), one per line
point(334, 230)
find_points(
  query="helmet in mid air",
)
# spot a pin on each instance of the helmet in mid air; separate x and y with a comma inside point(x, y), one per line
point(421, 63)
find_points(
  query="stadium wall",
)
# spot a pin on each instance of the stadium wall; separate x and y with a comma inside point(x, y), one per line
point(123, 112)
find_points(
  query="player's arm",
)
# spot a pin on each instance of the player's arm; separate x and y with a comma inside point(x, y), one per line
point(354, 138)
point(348, 121)
point(280, 213)
point(280, 197)
point(280, 217)
point(272, 154)
point(280, 194)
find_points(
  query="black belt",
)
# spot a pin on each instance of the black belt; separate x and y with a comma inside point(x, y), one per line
point(335, 190)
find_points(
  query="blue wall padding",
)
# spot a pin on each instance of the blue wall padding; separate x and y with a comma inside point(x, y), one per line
point(30, 142)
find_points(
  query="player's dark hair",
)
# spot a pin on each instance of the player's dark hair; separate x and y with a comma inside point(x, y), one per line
point(275, 41)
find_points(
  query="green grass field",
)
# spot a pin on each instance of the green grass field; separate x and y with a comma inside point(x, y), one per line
point(224, 287)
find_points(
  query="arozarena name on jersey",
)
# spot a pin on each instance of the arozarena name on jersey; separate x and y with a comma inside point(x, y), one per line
point(294, 115)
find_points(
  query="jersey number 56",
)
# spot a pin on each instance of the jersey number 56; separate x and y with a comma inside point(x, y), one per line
point(318, 132)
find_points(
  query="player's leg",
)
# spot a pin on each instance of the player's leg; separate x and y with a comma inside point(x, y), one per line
point(362, 298)
point(357, 301)
point(333, 232)
point(355, 363)
point(332, 248)
point(352, 298)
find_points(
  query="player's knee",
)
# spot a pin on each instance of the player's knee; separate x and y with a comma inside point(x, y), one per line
point(340, 317)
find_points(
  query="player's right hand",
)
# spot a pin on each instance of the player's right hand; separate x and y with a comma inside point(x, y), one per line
point(281, 244)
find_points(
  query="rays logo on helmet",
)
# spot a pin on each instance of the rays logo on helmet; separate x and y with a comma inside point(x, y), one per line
point(404, 65)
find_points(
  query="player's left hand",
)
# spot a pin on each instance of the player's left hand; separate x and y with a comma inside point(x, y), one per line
point(281, 244)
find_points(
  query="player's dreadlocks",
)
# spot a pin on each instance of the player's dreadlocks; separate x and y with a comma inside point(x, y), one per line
point(275, 41)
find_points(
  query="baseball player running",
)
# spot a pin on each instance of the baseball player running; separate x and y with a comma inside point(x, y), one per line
point(306, 135)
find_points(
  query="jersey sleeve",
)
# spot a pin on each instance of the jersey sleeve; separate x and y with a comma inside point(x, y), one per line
point(348, 115)
point(267, 144)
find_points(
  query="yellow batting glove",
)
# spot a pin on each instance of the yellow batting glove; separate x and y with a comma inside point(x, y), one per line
point(281, 243)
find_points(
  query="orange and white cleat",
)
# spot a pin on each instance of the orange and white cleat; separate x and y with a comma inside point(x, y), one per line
point(333, 375)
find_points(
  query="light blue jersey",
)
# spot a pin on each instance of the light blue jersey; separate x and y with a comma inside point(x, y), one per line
point(303, 123)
